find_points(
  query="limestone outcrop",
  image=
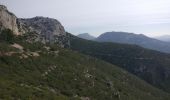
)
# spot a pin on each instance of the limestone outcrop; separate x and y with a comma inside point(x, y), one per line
point(8, 20)
point(46, 30)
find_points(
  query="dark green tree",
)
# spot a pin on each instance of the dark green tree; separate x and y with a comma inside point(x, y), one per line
point(7, 35)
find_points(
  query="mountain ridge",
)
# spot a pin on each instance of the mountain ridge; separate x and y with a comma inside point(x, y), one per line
point(45, 71)
point(138, 39)
point(149, 65)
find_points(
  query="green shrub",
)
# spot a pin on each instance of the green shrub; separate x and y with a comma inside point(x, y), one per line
point(7, 35)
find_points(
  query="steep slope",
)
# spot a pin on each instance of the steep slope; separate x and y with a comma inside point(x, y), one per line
point(86, 36)
point(130, 38)
point(8, 20)
point(165, 38)
point(149, 65)
point(41, 72)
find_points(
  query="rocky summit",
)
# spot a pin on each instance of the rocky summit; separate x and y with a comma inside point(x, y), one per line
point(46, 30)
point(49, 30)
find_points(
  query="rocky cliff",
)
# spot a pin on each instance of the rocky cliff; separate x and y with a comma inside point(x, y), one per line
point(47, 30)
point(8, 20)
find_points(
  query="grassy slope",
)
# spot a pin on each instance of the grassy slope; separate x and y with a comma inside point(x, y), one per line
point(147, 64)
point(67, 75)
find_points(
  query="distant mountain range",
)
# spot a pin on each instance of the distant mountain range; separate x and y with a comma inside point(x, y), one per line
point(137, 39)
point(86, 36)
point(165, 38)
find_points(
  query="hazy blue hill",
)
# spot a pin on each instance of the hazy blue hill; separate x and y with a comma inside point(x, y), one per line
point(131, 38)
point(165, 38)
point(86, 36)
point(149, 65)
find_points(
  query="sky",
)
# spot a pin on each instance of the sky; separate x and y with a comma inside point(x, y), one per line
point(149, 17)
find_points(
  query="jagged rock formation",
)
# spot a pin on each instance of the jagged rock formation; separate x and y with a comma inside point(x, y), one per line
point(46, 30)
point(49, 30)
point(8, 20)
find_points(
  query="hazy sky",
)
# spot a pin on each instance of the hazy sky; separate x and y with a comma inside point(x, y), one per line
point(150, 17)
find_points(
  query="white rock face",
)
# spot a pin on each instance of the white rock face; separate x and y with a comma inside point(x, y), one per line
point(8, 20)
point(46, 27)
point(46, 30)
point(43, 25)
